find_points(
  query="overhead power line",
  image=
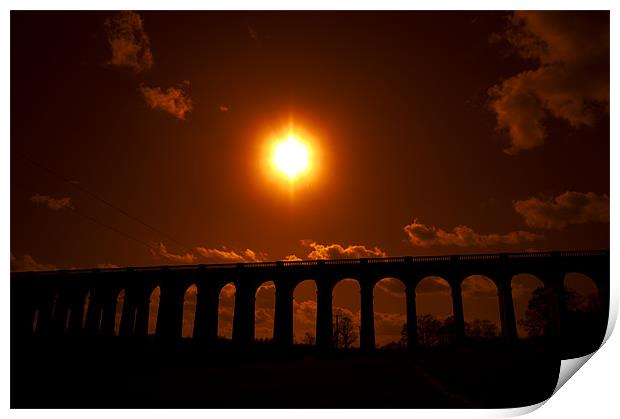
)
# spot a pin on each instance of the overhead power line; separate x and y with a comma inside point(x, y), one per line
point(99, 223)
point(104, 201)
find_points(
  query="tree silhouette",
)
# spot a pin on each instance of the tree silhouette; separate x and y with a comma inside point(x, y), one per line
point(481, 328)
point(428, 329)
point(536, 314)
point(344, 332)
point(308, 339)
point(432, 331)
point(447, 331)
point(403, 336)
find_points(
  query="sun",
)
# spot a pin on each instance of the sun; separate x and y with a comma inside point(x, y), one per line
point(291, 157)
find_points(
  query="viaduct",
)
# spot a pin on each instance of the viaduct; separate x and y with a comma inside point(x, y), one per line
point(52, 303)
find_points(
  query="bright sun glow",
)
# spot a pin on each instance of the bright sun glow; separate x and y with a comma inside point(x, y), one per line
point(291, 157)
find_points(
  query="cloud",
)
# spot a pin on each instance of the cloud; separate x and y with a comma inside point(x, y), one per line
point(337, 251)
point(266, 295)
point(107, 266)
point(174, 100)
point(392, 287)
point(131, 48)
point(292, 258)
point(433, 285)
point(162, 251)
point(252, 33)
point(264, 323)
point(220, 255)
point(571, 79)
point(388, 327)
point(226, 310)
point(224, 254)
point(54, 204)
point(477, 286)
point(422, 236)
point(227, 294)
point(568, 208)
point(129, 43)
point(27, 263)
point(305, 318)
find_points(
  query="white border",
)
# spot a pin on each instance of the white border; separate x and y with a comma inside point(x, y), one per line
point(592, 393)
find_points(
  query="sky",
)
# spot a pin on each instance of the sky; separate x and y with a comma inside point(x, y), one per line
point(143, 138)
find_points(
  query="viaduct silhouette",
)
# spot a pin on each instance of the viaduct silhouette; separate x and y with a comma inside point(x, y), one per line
point(52, 303)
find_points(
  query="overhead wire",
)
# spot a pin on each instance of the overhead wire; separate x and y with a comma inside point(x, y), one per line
point(103, 201)
point(97, 222)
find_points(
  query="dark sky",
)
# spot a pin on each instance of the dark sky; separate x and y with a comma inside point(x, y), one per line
point(398, 106)
point(433, 133)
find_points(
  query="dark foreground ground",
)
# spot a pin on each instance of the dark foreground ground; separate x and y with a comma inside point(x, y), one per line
point(115, 374)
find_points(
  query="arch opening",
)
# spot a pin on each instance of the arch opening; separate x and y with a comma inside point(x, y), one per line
point(434, 315)
point(54, 303)
point(581, 293)
point(584, 324)
point(346, 314)
point(189, 311)
point(120, 302)
point(304, 313)
point(99, 319)
point(67, 321)
point(480, 307)
point(35, 320)
point(226, 310)
point(530, 305)
point(390, 314)
point(264, 311)
point(153, 310)
point(86, 304)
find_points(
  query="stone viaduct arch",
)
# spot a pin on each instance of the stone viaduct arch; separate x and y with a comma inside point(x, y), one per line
point(55, 300)
point(264, 310)
point(526, 284)
point(225, 311)
point(434, 297)
point(483, 295)
point(304, 311)
point(384, 290)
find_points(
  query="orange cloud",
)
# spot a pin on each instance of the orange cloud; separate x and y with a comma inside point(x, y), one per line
point(388, 327)
point(162, 251)
point(337, 251)
point(264, 323)
point(54, 204)
point(218, 255)
point(433, 285)
point(27, 263)
point(304, 315)
point(572, 52)
point(477, 286)
point(224, 254)
point(129, 43)
point(174, 100)
point(226, 310)
point(568, 208)
point(266, 295)
point(422, 235)
point(227, 295)
point(107, 266)
point(391, 286)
